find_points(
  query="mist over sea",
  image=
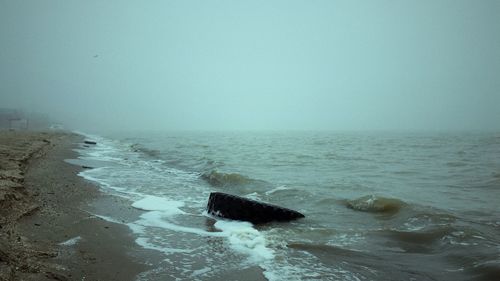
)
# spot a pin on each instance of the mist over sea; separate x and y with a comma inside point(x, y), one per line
point(409, 191)
point(378, 205)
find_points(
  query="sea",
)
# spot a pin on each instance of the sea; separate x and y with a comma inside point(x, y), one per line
point(377, 205)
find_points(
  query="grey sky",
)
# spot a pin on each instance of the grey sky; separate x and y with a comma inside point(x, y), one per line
point(254, 64)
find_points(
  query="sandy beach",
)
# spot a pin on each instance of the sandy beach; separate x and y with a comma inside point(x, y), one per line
point(45, 231)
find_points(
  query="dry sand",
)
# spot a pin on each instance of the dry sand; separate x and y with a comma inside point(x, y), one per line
point(42, 206)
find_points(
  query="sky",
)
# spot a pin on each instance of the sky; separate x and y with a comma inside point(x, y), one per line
point(254, 65)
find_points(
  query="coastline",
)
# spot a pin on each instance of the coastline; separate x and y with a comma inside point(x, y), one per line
point(46, 233)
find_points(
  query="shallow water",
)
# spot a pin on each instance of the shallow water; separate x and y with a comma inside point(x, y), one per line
point(378, 206)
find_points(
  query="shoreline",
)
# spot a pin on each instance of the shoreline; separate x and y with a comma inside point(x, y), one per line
point(46, 233)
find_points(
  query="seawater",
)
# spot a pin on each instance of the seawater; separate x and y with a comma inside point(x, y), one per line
point(378, 206)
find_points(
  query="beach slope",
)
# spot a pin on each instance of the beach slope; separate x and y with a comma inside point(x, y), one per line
point(45, 232)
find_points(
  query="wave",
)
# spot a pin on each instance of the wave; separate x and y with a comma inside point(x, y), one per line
point(376, 204)
point(277, 189)
point(331, 249)
point(425, 237)
point(434, 239)
point(218, 179)
point(149, 152)
point(487, 270)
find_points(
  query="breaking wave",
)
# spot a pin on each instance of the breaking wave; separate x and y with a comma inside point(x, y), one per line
point(218, 179)
point(150, 152)
point(376, 204)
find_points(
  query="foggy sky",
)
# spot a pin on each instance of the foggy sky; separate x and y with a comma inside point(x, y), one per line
point(328, 65)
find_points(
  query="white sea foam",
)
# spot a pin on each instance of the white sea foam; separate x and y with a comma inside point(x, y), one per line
point(154, 203)
point(146, 244)
point(304, 266)
point(346, 239)
point(158, 219)
point(244, 238)
point(155, 188)
point(281, 187)
point(253, 196)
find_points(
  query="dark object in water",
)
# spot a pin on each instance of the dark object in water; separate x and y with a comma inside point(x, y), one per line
point(89, 142)
point(87, 167)
point(238, 208)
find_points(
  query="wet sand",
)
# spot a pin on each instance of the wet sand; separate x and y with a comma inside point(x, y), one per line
point(45, 231)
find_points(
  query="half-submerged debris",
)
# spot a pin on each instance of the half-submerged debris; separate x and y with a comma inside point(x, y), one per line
point(239, 208)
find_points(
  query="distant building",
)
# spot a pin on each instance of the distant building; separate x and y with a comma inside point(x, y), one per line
point(16, 119)
point(12, 119)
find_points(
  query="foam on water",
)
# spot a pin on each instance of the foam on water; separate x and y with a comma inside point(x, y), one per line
point(145, 243)
point(164, 178)
point(244, 238)
point(279, 188)
point(170, 197)
point(254, 196)
point(154, 203)
point(304, 266)
point(159, 219)
point(346, 240)
point(174, 202)
point(124, 173)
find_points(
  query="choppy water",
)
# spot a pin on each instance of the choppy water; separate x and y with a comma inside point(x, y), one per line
point(378, 206)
